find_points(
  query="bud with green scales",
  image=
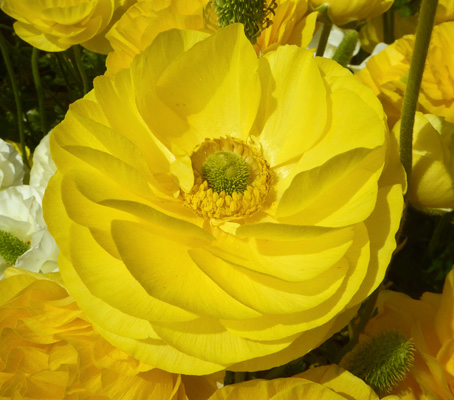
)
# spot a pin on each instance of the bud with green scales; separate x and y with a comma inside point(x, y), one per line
point(251, 13)
point(381, 361)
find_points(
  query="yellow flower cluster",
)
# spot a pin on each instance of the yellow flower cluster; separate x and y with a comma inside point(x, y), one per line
point(49, 350)
point(303, 237)
point(430, 322)
point(56, 25)
point(387, 72)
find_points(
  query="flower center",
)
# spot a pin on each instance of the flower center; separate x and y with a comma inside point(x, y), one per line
point(11, 247)
point(226, 171)
point(231, 179)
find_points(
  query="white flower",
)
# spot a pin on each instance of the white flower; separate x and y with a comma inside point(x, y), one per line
point(43, 166)
point(24, 239)
point(11, 166)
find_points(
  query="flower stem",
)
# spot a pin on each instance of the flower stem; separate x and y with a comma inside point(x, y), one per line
point(388, 26)
point(323, 39)
point(344, 52)
point(17, 97)
point(39, 90)
point(80, 68)
point(422, 40)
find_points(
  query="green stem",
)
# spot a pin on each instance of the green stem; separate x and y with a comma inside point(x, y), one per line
point(17, 98)
point(323, 39)
point(344, 52)
point(80, 68)
point(422, 40)
point(388, 26)
point(39, 90)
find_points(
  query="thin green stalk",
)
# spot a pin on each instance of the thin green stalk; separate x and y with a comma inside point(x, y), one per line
point(388, 26)
point(422, 40)
point(323, 39)
point(39, 90)
point(344, 52)
point(17, 97)
point(81, 69)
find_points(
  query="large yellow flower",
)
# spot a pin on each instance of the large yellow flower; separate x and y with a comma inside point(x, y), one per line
point(343, 12)
point(48, 350)
point(56, 25)
point(432, 182)
point(322, 383)
point(430, 322)
point(387, 72)
point(215, 209)
point(136, 30)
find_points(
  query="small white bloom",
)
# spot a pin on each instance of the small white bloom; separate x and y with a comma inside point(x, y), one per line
point(11, 166)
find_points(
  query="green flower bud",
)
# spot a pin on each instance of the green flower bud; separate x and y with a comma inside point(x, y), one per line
point(11, 247)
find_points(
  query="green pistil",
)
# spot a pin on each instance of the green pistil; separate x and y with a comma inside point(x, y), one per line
point(11, 247)
point(226, 171)
point(251, 13)
point(382, 361)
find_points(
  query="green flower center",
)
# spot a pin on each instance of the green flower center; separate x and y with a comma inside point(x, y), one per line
point(11, 247)
point(226, 171)
point(251, 13)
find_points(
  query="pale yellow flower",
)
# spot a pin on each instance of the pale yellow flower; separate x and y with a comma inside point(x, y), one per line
point(372, 33)
point(196, 273)
point(432, 182)
point(56, 25)
point(343, 12)
point(387, 72)
point(430, 322)
point(49, 350)
point(136, 30)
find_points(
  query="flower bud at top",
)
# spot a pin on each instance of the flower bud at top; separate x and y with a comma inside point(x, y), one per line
point(381, 361)
point(251, 13)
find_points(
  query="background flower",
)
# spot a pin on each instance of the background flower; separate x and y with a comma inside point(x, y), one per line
point(56, 25)
point(429, 322)
point(343, 12)
point(432, 182)
point(193, 280)
point(25, 241)
point(328, 382)
point(48, 350)
point(387, 72)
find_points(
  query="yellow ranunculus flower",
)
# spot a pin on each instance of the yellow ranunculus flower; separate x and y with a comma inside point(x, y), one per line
point(432, 182)
point(56, 25)
point(218, 210)
point(387, 72)
point(49, 350)
point(139, 26)
point(343, 12)
point(430, 322)
point(322, 383)
point(372, 33)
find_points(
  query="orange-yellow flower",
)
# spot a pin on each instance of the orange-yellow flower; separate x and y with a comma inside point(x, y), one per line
point(49, 350)
point(322, 383)
point(56, 25)
point(430, 322)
